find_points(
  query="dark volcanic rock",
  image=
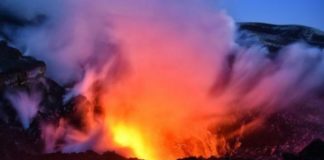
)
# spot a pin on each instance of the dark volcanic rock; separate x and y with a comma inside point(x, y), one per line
point(274, 37)
point(89, 155)
point(21, 73)
point(314, 151)
point(213, 158)
point(15, 68)
point(288, 130)
point(74, 110)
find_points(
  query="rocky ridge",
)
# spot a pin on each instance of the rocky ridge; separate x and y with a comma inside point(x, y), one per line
point(23, 73)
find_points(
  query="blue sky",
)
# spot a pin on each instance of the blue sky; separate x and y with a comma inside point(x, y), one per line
point(305, 12)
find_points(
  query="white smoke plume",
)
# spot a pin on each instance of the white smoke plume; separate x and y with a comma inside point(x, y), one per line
point(25, 104)
point(160, 66)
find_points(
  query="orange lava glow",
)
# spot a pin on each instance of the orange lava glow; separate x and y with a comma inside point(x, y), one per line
point(128, 137)
point(161, 107)
point(165, 79)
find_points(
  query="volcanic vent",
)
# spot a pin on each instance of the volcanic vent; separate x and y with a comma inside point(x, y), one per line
point(156, 81)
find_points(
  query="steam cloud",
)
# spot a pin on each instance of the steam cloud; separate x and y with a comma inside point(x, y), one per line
point(165, 73)
point(26, 105)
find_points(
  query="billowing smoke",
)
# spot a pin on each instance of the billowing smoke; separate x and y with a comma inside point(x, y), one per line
point(161, 77)
point(70, 34)
point(25, 104)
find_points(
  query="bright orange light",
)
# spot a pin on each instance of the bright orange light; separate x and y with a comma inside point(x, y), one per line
point(129, 137)
point(161, 108)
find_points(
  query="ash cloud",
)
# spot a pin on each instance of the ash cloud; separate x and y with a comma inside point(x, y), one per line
point(63, 34)
point(141, 61)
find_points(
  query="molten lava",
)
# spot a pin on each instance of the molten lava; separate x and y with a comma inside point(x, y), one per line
point(162, 107)
point(131, 138)
point(174, 84)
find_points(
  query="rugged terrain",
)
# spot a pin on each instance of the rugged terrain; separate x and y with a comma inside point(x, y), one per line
point(282, 133)
point(275, 37)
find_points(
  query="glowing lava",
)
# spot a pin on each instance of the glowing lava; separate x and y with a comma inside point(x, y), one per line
point(128, 137)
point(161, 108)
point(163, 79)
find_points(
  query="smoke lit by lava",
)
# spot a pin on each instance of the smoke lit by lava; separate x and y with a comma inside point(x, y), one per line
point(163, 78)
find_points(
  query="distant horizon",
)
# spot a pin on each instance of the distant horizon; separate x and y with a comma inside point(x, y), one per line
point(285, 24)
point(282, 12)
